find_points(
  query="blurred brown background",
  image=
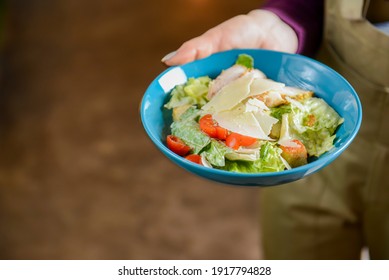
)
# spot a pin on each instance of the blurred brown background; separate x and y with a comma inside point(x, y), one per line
point(79, 179)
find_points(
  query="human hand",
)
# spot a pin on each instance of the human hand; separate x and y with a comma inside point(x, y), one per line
point(257, 29)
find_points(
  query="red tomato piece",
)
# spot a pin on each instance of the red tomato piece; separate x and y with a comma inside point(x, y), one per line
point(177, 146)
point(232, 141)
point(194, 158)
point(246, 140)
point(236, 140)
point(208, 125)
point(221, 133)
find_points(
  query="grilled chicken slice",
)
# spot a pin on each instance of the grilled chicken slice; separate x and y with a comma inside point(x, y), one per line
point(276, 98)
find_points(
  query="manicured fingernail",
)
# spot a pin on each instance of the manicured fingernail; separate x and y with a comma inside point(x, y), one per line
point(168, 56)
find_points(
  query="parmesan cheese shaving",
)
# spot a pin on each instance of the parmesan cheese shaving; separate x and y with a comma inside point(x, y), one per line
point(230, 95)
point(256, 105)
point(259, 86)
point(285, 138)
point(245, 123)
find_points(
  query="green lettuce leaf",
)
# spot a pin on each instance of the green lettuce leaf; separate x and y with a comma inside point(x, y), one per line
point(269, 161)
point(193, 92)
point(240, 166)
point(192, 113)
point(315, 126)
point(215, 153)
point(188, 130)
point(245, 60)
point(277, 112)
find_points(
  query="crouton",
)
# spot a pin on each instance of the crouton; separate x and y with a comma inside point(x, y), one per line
point(295, 156)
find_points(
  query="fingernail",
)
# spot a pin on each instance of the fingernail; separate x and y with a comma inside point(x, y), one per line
point(168, 56)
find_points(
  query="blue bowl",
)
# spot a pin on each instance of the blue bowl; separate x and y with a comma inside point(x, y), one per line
point(291, 69)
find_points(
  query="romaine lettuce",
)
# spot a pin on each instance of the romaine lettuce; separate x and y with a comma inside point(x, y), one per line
point(215, 153)
point(193, 92)
point(245, 60)
point(188, 130)
point(277, 112)
point(269, 161)
point(315, 125)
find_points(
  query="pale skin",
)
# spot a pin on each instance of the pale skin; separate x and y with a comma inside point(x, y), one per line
point(258, 29)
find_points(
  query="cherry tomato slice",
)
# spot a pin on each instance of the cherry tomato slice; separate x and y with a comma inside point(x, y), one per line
point(236, 140)
point(221, 133)
point(246, 140)
point(232, 141)
point(194, 158)
point(176, 145)
point(208, 125)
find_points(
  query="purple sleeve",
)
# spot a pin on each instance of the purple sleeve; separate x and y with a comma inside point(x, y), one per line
point(305, 17)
